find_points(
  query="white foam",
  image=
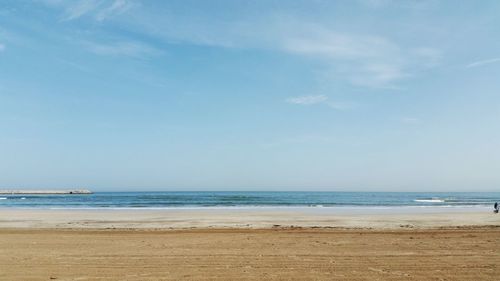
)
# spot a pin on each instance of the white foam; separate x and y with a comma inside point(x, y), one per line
point(3, 198)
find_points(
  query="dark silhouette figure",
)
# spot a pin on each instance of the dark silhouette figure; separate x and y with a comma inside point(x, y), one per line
point(495, 207)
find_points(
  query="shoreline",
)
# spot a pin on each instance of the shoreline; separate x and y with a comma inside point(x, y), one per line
point(257, 207)
point(413, 218)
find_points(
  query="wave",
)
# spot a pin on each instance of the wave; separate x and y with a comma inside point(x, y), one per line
point(3, 198)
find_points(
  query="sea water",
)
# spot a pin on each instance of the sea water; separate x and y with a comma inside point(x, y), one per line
point(225, 199)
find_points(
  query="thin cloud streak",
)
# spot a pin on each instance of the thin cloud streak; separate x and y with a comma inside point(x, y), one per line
point(307, 100)
point(364, 60)
point(100, 10)
point(116, 8)
point(483, 62)
point(320, 99)
point(80, 9)
point(360, 59)
point(129, 49)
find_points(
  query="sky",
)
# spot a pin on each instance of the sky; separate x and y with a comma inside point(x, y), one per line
point(362, 95)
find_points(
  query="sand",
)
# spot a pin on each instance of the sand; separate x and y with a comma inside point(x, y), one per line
point(246, 244)
point(250, 254)
point(249, 218)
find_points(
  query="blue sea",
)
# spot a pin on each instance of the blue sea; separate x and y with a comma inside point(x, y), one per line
point(165, 200)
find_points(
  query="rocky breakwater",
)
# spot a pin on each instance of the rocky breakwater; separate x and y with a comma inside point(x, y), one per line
point(27, 191)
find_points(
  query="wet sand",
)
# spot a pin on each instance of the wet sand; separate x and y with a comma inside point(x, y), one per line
point(250, 254)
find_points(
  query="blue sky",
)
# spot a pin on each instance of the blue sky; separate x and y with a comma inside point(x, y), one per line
point(250, 95)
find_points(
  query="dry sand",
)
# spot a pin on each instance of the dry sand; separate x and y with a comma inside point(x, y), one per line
point(250, 254)
point(323, 244)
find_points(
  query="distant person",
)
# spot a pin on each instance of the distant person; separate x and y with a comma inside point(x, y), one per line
point(495, 207)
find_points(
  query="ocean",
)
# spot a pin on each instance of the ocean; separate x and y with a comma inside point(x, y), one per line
point(225, 199)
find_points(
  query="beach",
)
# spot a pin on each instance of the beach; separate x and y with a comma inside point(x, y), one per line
point(250, 244)
point(250, 254)
point(249, 140)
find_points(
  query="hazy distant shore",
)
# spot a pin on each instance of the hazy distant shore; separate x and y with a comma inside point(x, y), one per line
point(383, 218)
point(43, 191)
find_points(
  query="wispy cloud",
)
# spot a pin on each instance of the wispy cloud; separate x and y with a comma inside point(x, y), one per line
point(2, 47)
point(320, 99)
point(427, 56)
point(365, 60)
point(80, 8)
point(99, 9)
point(483, 62)
point(377, 74)
point(316, 40)
point(130, 49)
point(307, 100)
point(116, 8)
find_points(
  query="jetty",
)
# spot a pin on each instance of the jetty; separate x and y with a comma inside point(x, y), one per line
point(42, 191)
